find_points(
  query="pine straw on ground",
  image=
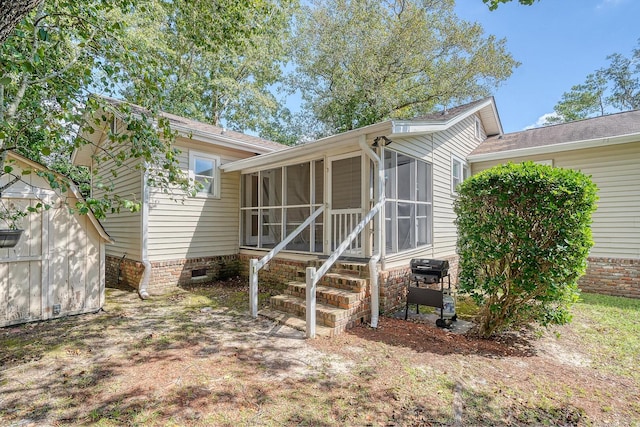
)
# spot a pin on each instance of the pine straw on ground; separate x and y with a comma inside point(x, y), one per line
point(196, 359)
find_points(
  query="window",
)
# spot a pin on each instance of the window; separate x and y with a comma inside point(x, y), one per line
point(204, 168)
point(459, 172)
point(408, 210)
point(478, 129)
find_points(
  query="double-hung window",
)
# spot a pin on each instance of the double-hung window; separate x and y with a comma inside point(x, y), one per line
point(205, 170)
point(459, 172)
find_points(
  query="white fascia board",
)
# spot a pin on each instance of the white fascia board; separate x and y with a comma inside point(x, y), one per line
point(412, 127)
point(555, 148)
point(224, 141)
point(319, 146)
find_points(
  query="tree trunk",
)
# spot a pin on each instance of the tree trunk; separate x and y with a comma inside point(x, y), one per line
point(11, 12)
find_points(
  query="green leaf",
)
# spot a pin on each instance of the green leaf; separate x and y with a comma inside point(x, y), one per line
point(5, 80)
point(8, 169)
point(43, 34)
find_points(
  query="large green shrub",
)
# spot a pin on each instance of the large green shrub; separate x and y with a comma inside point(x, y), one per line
point(523, 239)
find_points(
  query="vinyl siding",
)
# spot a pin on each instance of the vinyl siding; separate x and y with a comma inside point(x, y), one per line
point(196, 226)
point(614, 169)
point(438, 148)
point(124, 227)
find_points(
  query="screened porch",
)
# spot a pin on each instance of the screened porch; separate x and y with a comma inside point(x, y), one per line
point(276, 201)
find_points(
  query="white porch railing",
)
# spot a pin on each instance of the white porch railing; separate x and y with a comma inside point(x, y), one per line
point(342, 222)
point(255, 265)
point(314, 275)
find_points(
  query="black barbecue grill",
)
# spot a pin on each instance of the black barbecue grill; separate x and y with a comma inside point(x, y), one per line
point(431, 270)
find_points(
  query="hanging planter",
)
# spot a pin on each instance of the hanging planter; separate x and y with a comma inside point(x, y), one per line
point(10, 238)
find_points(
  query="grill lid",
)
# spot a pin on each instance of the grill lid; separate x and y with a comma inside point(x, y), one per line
point(429, 267)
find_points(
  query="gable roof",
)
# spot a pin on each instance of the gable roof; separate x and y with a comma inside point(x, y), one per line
point(183, 124)
point(598, 131)
point(186, 128)
point(432, 123)
point(442, 120)
point(72, 189)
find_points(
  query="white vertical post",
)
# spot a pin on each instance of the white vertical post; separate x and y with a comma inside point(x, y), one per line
point(375, 290)
point(253, 287)
point(311, 302)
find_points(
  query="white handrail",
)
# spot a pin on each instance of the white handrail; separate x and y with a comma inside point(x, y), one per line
point(314, 275)
point(255, 265)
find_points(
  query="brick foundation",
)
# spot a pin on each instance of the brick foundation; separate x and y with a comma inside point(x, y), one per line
point(130, 271)
point(167, 275)
point(612, 276)
point(609, 276)
point(277, 270)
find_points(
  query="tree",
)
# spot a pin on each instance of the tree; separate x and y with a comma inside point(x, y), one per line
point(615, 87)
point(214, 64)
point(493, 4)
point(523, 240)
point(582, 101)
point(12, 13)
point(53, 60)
point(624, 76)
point(361, 61)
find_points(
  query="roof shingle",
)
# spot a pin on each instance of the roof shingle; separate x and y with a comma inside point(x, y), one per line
point(612, 125)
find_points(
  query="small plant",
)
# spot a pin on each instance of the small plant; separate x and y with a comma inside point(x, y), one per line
point(523, 239)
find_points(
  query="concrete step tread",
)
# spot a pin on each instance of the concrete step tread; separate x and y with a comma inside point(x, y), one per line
point(327, 290)
point(345, 277)
point(298, 323)
point(322, 308)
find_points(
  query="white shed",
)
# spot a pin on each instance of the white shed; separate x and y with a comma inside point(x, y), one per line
point(57, 267)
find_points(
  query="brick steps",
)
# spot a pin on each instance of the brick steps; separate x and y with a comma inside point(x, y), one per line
point(297, 323)
point(326, 315)
point(342, 300)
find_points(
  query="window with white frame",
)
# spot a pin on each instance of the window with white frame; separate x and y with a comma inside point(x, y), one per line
point(205, 170)
point(478, 129)
point(459, 172)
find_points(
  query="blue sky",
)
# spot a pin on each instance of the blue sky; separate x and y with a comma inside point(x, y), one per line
point(558, 43)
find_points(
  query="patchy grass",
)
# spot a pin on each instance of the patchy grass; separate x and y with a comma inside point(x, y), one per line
point(195, 358)
point(610, 328)
point(466, 308)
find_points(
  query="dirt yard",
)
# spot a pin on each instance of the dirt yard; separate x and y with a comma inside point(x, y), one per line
point(195, 358)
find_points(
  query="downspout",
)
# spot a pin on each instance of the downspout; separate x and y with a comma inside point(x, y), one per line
point(373, 262)
point(146, 274)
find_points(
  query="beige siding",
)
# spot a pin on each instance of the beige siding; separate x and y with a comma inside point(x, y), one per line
point(196, 226)
point(438, 148)
point(124, 227)
point(614, 169)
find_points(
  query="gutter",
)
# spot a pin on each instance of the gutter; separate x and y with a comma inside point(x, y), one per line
point(146, 275)
point(555, 148)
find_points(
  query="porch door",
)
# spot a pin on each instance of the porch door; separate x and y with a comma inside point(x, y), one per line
point(346, 202)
